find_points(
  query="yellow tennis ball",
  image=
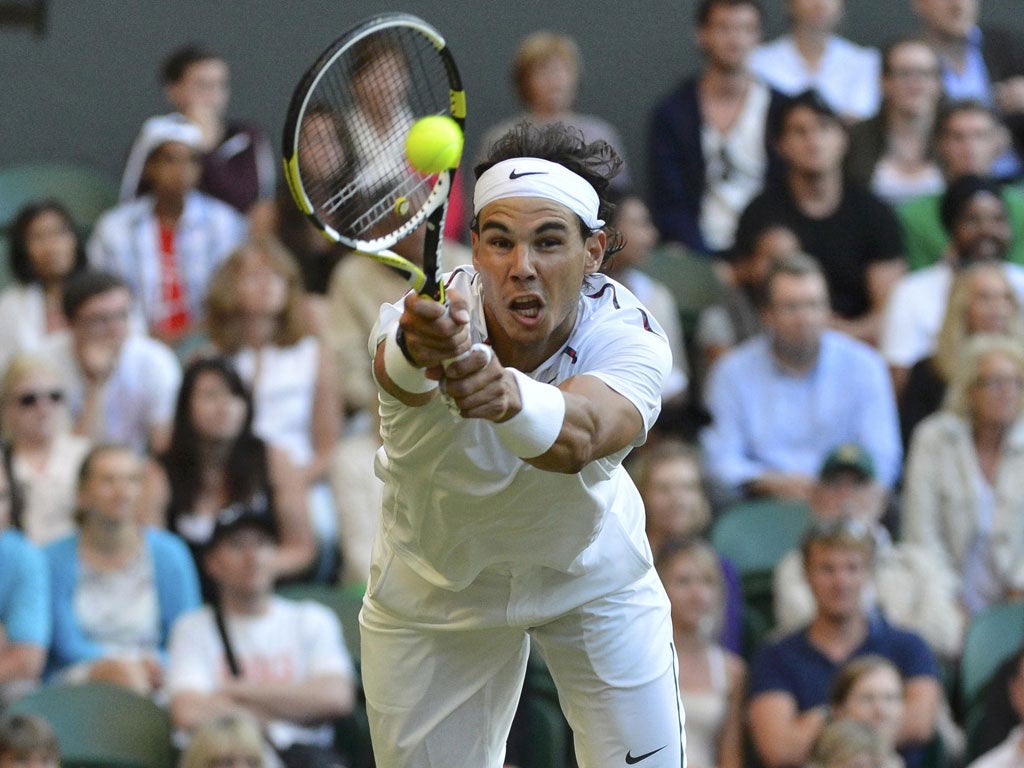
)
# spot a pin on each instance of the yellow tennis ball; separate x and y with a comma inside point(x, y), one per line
point(434, 144)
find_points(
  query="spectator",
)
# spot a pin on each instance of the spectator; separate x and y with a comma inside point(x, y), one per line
point(224, 742)
point(999, 717)
point(982, 63)
point(117, 585)
point(546, 71)
point(783, 399)
point(967, 143)
point(167, 243)
point(1007, 754)
point(215, 462)
point(710, 141)
point(251, 652)
point(852, 234)
point(28, 741)
point(669, 478)
point(120, 386)
point(791, 678)
point(811, 55)
point(910, 586)
point(974, 215)
point(869, 690)
point(255, 309)
point(737, 317)
point(892, 152)
point(633, 219)
point(711, 678)
point(44, 250)
point(961, 495)
point(239, 164)
point(981, 300)
point(44, 454)
point(25, 623)
point(847, 743)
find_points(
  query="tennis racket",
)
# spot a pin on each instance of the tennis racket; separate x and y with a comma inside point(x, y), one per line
point(344, 141)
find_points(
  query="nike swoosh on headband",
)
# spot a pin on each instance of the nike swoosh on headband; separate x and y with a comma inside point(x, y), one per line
point(513, 176)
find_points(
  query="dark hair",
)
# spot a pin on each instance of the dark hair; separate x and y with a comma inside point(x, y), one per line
point(17, 503)
point(812, 100)
point(706, 6)
point(94, 453)
point(25, 735)
point(597, 162)
point(173, 67)
point(17, 237)
point(953, 108)
point(246, 466)
point(87, 284)
point(960, 193)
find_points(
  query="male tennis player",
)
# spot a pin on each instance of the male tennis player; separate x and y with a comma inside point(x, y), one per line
point(507, 515)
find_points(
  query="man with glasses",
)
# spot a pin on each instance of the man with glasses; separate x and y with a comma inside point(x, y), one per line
point(909, 586)
point(791, 678)
point(121, 386)
point(781, 400)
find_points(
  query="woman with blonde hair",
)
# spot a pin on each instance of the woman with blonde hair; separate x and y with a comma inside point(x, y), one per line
point(711, 678)
point(256, 317)
point(44, 453)
point(229, 741)
point(847, 743)
point(963, 494)
point(981, 300)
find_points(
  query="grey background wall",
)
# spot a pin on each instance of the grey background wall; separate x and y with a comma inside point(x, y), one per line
point(81, 92)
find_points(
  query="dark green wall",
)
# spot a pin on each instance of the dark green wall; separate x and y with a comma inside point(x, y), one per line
point(80, 92)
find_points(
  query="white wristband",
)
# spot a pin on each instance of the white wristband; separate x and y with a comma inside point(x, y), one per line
point(402, 373)
point(536, 427)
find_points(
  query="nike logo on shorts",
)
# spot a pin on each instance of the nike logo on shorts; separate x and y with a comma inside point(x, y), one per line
point(630, 760)
point(513, 176)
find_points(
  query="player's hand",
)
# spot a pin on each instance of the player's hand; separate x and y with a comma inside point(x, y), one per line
point(481, 387)
point(435, 333)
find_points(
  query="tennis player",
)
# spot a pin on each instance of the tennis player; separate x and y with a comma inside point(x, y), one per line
point(507, 515)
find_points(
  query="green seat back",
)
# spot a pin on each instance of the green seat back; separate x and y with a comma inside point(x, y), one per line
point(992, 637)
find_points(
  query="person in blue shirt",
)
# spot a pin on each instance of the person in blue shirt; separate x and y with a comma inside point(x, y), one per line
point(790, 679)
point(783, 399)
point(24, 614)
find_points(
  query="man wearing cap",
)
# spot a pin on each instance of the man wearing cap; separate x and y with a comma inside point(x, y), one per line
point(851, 232)
point(507, 516)
point(911, 587)
point(168, 242)
point(280, 661)
point(790, 679)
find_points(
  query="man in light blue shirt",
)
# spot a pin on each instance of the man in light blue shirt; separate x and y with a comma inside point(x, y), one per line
point(781, 401)
point(24, 604)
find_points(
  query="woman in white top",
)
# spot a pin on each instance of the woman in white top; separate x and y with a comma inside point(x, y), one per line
point(45, 455)
point(711, 679)
point(964, 487)
point(44, 250)
point(813, 56)
point(255, 310)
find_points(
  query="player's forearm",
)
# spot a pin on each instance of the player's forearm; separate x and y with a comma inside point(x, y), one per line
point(310, 701)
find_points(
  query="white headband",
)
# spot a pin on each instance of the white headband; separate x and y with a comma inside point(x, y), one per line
point(533, 177)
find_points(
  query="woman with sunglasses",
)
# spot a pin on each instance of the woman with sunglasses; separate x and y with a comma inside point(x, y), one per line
point(44, 454)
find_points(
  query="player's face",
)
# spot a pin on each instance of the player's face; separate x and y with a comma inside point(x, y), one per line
point(912, 84)
point(50, 243)
point(113, 487)
point(673, 498)
point(532, 259)
point(991, 307)
point(692, 590)
point(217, 413)
point(812, 143)
point(982, 230)
point(729, 36)
point(877, 699)
point(837, 576)
point(948, 18)
point(204, 88)
point(970, 142)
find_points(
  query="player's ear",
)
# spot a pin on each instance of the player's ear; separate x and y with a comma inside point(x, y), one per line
point(595, 245)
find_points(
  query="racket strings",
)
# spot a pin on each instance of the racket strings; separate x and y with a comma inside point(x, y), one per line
point(352, 136)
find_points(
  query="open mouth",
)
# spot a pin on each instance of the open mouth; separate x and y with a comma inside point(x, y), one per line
point(526, 306)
